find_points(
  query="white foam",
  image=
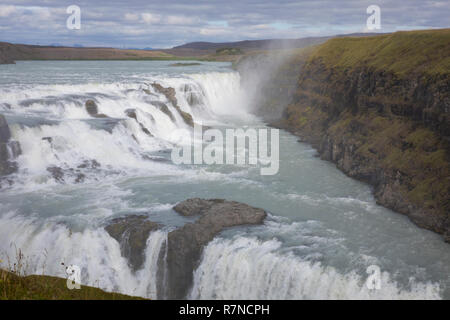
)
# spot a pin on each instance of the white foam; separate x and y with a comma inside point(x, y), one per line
point(45, 245)
point(123, 147)
point(246, 268)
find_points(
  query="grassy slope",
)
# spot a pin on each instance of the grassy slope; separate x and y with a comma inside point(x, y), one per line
point(425, 51)
point(412, 155)
point(34, 287)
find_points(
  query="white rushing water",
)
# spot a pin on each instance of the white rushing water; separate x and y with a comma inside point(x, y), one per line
point(323, 232)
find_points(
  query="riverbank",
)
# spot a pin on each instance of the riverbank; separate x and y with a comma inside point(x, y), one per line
point(379, 107)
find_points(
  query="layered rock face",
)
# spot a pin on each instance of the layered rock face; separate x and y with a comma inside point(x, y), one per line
point(185, 244)
point(132, 233)
point(181, 254)
point(380, 110)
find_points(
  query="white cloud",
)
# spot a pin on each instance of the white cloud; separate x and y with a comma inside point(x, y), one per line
point(150, 18)
point(180, 20)
point(5, 11)
point(131, 17)
point(213, 31)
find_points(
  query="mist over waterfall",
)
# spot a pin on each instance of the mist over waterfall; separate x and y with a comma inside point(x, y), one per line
point(95, 141)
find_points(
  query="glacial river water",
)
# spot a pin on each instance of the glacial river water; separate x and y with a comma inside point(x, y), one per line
point(323, 232)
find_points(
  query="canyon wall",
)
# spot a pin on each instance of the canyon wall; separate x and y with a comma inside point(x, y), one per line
point(379, 108)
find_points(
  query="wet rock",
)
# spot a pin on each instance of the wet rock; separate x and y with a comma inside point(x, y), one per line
point(145, 130)
point(187, 117)
point(164, 108)
point(89, 164)
point(6, 166)
point(195, 206)
point(131, 113)
point(9, 149)
point(170, 93)
point(185, 244)
point(57, 173)
point(92, 109)
point(132, 233)
point(5, 134)
point(80, 178)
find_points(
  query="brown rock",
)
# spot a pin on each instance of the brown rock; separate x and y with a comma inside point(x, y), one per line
point(185, 244)
point(132, 233)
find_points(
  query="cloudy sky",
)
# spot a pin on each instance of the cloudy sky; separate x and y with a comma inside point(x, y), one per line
point(164, 24)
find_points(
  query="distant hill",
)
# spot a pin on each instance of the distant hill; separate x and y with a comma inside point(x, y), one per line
point(267, 43)
point(10, 52)
point(202, 48)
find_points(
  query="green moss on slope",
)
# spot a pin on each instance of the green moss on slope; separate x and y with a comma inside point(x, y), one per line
point(423, 51)
point(378, 108)
point(36, 287)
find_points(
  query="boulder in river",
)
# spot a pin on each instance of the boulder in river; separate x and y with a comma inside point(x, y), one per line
point(57, 173)
point(180, 256)
point(132, 232)
point(5, 134)
point(92, 109)
point(131, 113)
point(185, 244)
point(9, 149)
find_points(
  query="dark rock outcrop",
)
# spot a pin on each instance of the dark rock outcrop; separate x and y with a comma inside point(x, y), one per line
point(60, 175)
point(132, 233)
point(5, 134)
point(57, 173)
point(185, 244)
point(170, 93)
point(89, 164)
point(9, 149)
point(131, 113)
point(181, 254)
point(92, 109)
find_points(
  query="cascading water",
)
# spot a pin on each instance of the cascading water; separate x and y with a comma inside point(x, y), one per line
point(76, 172)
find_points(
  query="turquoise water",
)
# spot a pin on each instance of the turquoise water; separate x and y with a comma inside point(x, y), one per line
point(323, 232)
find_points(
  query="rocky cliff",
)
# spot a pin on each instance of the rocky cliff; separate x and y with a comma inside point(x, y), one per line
point(379, 108)
point(181, 253)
